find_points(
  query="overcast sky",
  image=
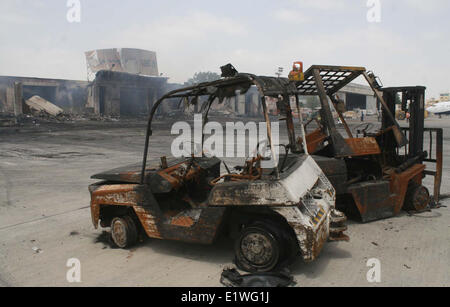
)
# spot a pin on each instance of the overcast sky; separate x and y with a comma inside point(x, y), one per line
point(410, 46)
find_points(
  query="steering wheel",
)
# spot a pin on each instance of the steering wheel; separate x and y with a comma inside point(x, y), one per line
point(363, 128)
point(286, 151)
point(251, 171)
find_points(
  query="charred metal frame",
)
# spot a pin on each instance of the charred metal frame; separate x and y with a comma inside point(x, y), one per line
point(299, 197)
point(413, 101)
point(416, 96)
point(280, 88)
point(325, 81)
point(386, 197)
point(439, 160)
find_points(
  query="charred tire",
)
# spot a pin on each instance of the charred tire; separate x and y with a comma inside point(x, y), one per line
point(124, 231)
point(417, 198)
point(260, 248)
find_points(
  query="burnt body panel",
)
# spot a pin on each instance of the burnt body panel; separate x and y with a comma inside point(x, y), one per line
point(196, 225)
point(158, 178)
point(336, 172)
point(185, 199)
point(384, 198)
point(373, 200)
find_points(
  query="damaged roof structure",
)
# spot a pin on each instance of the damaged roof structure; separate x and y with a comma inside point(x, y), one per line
point(70, 95)
point(129, 60)
point(115, 93)
point(126, 83)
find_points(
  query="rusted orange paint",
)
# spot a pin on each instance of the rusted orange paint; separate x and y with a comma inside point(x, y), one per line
point(398, 187)
point(117, 194)
point(173, 174)
point(363, 146)
point(314, 139)
point(399, 183)
point(183, 221)
point(122, 195)
point(95, 213)
point(148, 222)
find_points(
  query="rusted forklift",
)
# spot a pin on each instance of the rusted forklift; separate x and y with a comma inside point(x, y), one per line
point(380, 172)
point(273, 213)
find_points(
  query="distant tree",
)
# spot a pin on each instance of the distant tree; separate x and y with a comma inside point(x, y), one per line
point(200, 77)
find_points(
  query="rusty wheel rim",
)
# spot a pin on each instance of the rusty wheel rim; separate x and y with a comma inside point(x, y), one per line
point(119, 232)
point(257, 249)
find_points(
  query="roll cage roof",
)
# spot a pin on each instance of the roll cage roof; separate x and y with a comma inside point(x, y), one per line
point(226, 88)
point(321, 80)
point(334, 78)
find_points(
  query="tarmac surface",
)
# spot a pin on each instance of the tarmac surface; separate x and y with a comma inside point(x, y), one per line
point(45, 220)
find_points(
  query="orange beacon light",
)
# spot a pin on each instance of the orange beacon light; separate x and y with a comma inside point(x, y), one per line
point(297, 72)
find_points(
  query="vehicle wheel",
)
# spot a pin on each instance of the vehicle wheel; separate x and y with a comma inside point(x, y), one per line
point(259, 248)
point(124, 231)
point(417, 198)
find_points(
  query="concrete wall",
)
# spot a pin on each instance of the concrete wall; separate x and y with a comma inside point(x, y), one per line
point(135, 94)
point(359, 89)
point(70, 95)
point(3, 98)
point(240, 104)
point(112, 100)
point(78, 96)
point(371, 103)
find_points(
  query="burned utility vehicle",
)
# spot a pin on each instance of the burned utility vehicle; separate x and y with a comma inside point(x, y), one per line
point(275, 212)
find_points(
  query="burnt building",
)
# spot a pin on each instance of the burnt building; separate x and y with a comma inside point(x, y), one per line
point(358, 96)
point(127, 83)
point(115, 93)
point(110, 94)
point(69, 95)
point(130, 60)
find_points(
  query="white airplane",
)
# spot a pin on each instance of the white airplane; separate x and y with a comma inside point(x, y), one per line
point(441, 108)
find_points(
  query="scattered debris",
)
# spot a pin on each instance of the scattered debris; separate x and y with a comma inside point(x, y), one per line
point(74, 233)
point(131, 253)
point(105, 239)
point(232, 278)
point(37, 250)
point(409, 268)
point(7, 120)
point(39, 104)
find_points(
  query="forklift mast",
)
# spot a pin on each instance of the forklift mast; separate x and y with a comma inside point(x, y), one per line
point(413, 101)
point(385, 168)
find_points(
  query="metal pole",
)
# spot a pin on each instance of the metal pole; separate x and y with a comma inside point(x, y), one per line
point(341, 117)
point(340, 147)
point(302, 127)
point(269, 134)
point(399, 136)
